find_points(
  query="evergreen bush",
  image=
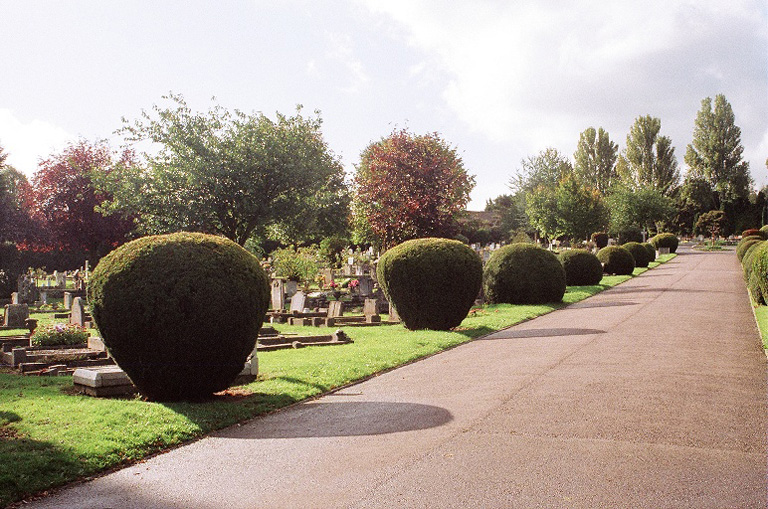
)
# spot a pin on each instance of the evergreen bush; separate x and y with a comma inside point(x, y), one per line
point(179, 313)
point(581, 267)
point(651, 251)
point(616, 260)
point(600, 239)
point(669, 240)
point(639, 253)
point(630, 235)
point(746, 261)
point(757, 272)
point(751, 232)
point(745, 244)
point(523, 274)
point(764, 231)
point(431, 282)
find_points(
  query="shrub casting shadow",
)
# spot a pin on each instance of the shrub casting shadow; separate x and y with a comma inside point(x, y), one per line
point(542, 333)
point(476, 332)
point(342, 419)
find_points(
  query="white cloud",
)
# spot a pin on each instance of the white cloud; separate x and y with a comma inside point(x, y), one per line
point(341, 51)
point(26, 143)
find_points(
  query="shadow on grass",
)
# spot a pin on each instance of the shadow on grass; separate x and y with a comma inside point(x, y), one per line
point(321, 388)
point(475, 332)
point(345, 418)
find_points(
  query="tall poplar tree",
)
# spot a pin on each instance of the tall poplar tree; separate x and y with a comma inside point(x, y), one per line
point(649, 159)
point(595, 159)
point(715, 155)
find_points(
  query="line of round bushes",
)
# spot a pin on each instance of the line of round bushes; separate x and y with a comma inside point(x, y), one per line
point(669, 240)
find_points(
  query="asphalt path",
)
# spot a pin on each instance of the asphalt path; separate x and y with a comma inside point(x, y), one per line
point(651, 394)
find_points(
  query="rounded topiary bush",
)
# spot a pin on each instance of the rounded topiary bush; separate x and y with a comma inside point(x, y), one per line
point(581, 267)
point(523, 274)
point(179, 313)
point(665, 240)
point(651, 251)
point(745, 244)
point(764, 231)
point(746, 261)
point(757, 272)
point(630, 235)
point(431, 282)
point(639, 253)
point(616, 260)
point(600, 239)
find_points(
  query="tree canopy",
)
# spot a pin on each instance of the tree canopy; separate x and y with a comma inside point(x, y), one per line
point(231, 173)
point(715, 154)
point(649, 158)
point(595, 159)
point(15, 223)
point(643, 208)
point(409, 186)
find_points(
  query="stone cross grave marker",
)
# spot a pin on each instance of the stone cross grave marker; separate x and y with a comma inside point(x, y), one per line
point(297, 302)
point(278, 294)
point(77, 316)
point(16, 315)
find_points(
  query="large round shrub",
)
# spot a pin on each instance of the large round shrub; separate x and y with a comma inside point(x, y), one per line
point(523, 274)
point(651, 251)
point(600, 239)
point(179, 313)
point(639, 253)
point(431, 282)
point(764, 231)
point(745, 244)
point(665, 240)
point(581, 267)
point(629, 235)
point(757, 273)
point(616, 260)
point(746, 261)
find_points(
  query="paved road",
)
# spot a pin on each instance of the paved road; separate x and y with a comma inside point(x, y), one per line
point(652, 394)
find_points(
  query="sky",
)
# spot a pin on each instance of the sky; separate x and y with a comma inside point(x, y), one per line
point(499, 80)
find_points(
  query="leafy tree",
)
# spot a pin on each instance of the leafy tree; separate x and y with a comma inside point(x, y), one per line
point(649, 159)
point(15, 223)
point(645, 207)
point(546, 169)
point(511, 209)
point(410, 186)
point(694, 199)
point(65, 201)
point(595, 158)
point(715, 154)
point(233, 174)
point(711, 222)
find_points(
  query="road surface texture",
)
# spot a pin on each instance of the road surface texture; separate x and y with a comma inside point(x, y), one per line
point(651, 394)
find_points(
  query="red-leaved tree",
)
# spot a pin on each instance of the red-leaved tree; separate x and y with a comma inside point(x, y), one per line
point(64, 201)
point(410, 186)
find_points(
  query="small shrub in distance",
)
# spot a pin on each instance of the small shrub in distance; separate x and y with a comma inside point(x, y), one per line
point(616, 260)
point(651, 251)
point(632, 235)
point(600, 239)
point(581, 267)
point(432, 282)
point(179, 313)
point(639, 253)
point(669, 240)
point(745, 244)
point(752, 231)
point(523, 274)
point(59, 334)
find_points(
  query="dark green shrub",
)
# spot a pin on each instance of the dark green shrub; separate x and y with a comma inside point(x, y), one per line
point(600, 239)
point(639, 253)
point(581, 267)
point(665, 240)
point(746, 261)
point(745, 244)
point(757, 273)
point(631, 235)
point(616, 260)
point(179, 313)
point(651, 251)
point(431, 282)
point(523, 274)
point(764, 231)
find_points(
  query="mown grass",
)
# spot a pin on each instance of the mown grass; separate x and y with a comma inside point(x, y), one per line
point(761, 314)
point(50, 436)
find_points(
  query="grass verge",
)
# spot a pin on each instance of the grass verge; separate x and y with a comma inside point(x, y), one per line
point(50, 436)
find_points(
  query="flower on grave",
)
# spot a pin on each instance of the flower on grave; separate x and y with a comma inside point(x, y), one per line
point(333, 285)
point(59, 334)
point(320, 280)
point(354, 283)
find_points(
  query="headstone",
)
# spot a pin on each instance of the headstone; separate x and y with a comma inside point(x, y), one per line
point(15, 298)
point(67, 300)
point(297, 302)
point(16, 316)
point(27, 289)
point(393, 316)
point(366, 286)
point(61, 279)
point(77, 316)
point(291, 287)
point(663, 250)
point(369, 307)
point(335, 309)
point(44, 297)
point(327, 275)
point(278, 294)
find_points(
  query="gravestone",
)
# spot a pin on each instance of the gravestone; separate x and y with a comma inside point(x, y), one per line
point(77, 317)
point(61, 279)
point(44, 297)
point(393, 316)
point(366, 286)
point(335, 309)
point(297, 302)
point(15, 298)
point(291, 287)
point(67, 300)
point(328, 276)
point(16, 316)
point(27, 289)
point(370, 311)
point(278, 294)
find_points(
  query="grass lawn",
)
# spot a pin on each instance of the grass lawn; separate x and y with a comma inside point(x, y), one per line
point(761, 313)
point(50, 436)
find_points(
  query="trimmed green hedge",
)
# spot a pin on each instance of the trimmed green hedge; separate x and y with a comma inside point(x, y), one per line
point(669, 240)
point(616, 260)
point(523, 274)
point(179, 313)
point(745, 244)
point(639, 253)
point(432, 282)
point(581, 267)
point(651, 251)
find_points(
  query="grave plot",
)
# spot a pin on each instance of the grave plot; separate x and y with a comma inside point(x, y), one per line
point(336, 317)
point(270, 339)
point(18, 354)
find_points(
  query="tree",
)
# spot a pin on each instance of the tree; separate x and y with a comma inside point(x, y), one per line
point(511, 209)
point(410, 186)
point(571, 209)
point(715, 154)
point(711, 222)
point(234, 174)
point(645, 207)
point(649, 159)
point(694, 199)
point(595, 158)
point(65, 201)
point(546, 169)
point(15, 223)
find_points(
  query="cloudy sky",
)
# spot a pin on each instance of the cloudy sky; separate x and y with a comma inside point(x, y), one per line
point(500, 80)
